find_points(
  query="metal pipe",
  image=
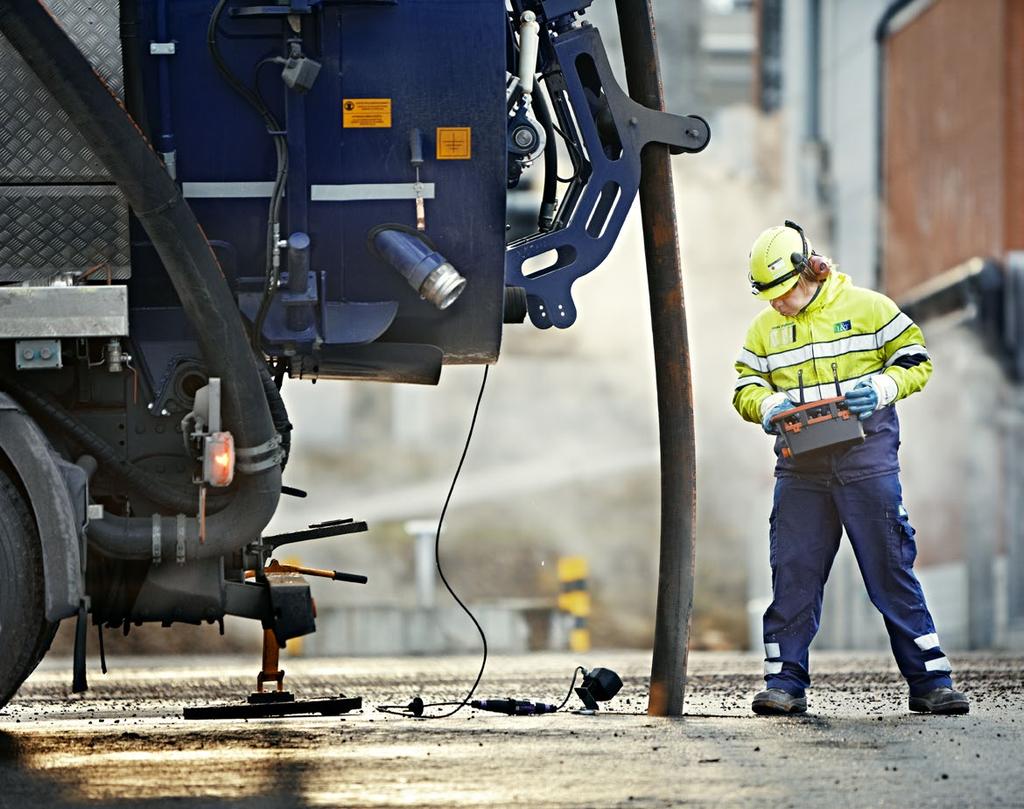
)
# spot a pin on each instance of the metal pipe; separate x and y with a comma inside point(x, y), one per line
point(672, 372)
point(168, 150)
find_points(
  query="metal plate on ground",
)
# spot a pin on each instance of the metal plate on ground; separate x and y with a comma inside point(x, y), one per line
point(307, 707)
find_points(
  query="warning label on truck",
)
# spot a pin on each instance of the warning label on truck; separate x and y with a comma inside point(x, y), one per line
point(454, 142)
point(366, 113)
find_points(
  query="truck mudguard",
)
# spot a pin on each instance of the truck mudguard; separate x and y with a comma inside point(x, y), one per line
point(56, 491)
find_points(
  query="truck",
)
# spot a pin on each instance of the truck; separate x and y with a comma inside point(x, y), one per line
point(202, 198)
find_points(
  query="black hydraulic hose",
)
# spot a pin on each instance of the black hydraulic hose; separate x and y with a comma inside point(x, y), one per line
point(672, 371)
point(549, 200)
point(253, 98)
point(278, 412)
point(191, 266)
point(131, 59)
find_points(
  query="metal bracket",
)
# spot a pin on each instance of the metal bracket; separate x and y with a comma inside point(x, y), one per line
point(610, 130)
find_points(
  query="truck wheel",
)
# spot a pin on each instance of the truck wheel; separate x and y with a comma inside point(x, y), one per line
point(25, 634)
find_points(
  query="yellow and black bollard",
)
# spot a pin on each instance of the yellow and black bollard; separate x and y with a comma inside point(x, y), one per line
point(574, 598)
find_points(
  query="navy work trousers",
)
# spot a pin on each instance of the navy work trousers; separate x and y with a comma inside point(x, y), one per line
point(807, 522)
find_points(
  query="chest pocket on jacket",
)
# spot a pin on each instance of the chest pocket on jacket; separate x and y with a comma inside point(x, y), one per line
point(781, 336)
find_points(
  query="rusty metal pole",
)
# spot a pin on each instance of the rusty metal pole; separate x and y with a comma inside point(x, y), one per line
point(672, 371)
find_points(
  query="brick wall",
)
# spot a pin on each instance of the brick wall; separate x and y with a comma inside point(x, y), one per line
point(1014, 125)
point(953, 158)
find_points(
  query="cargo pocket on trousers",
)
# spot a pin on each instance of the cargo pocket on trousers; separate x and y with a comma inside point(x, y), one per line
point(772, 522)
point(902, 547)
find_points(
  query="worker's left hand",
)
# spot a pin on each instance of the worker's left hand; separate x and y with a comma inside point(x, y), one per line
point(862, 400)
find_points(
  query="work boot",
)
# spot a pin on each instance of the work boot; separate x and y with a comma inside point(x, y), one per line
point(777, 701)
point(941, 700)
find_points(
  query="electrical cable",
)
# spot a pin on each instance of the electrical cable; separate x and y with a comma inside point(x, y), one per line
point(574, 150)
point(572, 685)
point(437, 561)
point(415, 708)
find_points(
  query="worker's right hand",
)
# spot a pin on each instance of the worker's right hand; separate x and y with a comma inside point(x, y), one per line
point(771, 407)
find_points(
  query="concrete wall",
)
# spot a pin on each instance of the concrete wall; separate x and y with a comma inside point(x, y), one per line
point(829, 118)
point(387, 630)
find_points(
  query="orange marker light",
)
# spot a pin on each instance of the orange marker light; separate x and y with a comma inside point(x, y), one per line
point(219, 459)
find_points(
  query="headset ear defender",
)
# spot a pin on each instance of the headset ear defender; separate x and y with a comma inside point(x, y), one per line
point(818, 267)
point(812, 266)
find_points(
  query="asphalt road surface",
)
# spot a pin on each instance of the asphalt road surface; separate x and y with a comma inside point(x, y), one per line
point(124, 743)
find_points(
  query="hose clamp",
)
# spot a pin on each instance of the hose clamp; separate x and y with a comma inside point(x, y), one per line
point(180, 548)
point(156, 539)
point(249, 460)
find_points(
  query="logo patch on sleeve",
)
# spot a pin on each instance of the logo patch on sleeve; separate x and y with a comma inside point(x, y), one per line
point(839, 328)
point(782, 335)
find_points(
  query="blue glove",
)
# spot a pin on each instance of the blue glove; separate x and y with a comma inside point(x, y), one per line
point(862, 400)
point(766, 422)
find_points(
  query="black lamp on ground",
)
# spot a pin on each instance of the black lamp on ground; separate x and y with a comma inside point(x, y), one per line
point(599, 685)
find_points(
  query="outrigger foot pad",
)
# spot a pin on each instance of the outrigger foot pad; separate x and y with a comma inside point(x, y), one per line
point(265, 708)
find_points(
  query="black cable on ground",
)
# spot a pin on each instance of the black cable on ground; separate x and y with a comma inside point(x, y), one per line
point(415, 708)
point(440, 571)
point(572, 685)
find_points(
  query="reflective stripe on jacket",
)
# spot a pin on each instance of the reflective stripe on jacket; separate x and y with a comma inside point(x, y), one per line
point(847, 333)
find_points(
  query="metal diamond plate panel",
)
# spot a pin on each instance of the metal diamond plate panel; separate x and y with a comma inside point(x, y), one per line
point(49, 230)
point(38, 144)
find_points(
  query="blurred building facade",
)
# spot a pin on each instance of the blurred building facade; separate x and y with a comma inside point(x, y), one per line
point(907, 161)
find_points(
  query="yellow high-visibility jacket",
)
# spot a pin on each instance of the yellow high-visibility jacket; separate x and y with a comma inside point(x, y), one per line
point(847, 334)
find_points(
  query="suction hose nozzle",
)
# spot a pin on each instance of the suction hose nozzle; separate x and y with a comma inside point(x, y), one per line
point(418, 261)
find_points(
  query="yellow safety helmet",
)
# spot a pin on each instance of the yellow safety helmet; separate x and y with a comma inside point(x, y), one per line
point(776, 259)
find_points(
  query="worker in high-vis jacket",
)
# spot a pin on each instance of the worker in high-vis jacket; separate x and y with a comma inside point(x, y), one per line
point(820, 328)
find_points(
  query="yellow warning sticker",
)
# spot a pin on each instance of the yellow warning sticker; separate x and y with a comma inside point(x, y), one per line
point(454, 143)
point(366, 113)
